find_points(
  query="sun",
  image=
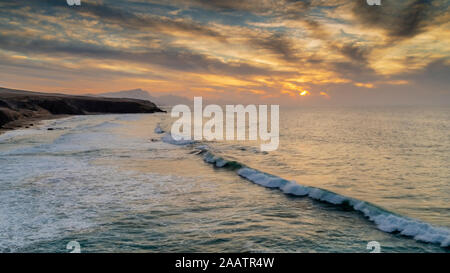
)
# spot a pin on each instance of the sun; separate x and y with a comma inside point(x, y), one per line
point(304, 93)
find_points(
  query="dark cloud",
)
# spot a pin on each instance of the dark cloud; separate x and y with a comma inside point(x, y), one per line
point(128, 19)
point(255, 6)
point(109, 14)
point(434, 74)
point(35, 4)
point(354, 71)
point(277, 43)
point(233, 5)
point(400, 19)
point(354, 52)
point(171, 58)
point(351, 50)
point(316, 29)
point(288, 9)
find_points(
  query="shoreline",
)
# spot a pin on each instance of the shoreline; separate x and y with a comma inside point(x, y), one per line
point(22, 109)
point(27, 123)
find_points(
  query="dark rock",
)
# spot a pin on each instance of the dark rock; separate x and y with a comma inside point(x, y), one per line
point(17, 105)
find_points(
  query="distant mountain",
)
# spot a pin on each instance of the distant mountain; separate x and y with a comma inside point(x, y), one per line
point(130, 94)
point(145, 95)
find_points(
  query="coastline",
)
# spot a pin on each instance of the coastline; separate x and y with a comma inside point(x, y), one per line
point(23, 109)
point(26, 123)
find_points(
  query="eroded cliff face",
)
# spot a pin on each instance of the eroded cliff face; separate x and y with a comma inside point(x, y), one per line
point(18, 104)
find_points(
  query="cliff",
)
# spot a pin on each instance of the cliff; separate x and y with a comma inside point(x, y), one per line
point(16, 105)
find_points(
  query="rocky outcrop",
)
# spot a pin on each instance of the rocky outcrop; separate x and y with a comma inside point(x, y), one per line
point(18, 104)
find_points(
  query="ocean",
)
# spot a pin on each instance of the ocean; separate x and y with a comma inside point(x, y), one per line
point(342, 177)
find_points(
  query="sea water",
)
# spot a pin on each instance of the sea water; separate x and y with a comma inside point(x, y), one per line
point(341, 178)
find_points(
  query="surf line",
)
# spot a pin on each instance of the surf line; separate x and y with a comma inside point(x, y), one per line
point(384, 220)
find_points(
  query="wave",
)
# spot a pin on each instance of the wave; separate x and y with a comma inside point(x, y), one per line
point(384, 220)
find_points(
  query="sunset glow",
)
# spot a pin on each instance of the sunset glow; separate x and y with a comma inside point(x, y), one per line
point(304, 93)
point(248, 51)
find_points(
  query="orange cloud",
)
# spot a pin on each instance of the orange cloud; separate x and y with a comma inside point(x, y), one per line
point(325, 95)
point(399, 82)
point(290, 93)
point(366, 85)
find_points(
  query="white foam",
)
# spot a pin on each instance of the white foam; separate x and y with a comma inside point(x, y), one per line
point(384, 220)
point(17, 133)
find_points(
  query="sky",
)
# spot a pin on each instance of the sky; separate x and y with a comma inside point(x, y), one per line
point(310, 52)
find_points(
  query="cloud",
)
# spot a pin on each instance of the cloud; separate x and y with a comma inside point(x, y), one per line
point(110, 14)
point(354, 52)
point(171, 58)
point(262, 7)
point(254, 48)
point(434, 74)
point(277, 43)
point(399, 19)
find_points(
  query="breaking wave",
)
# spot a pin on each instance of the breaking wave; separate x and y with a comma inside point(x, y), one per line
point(384, 220)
